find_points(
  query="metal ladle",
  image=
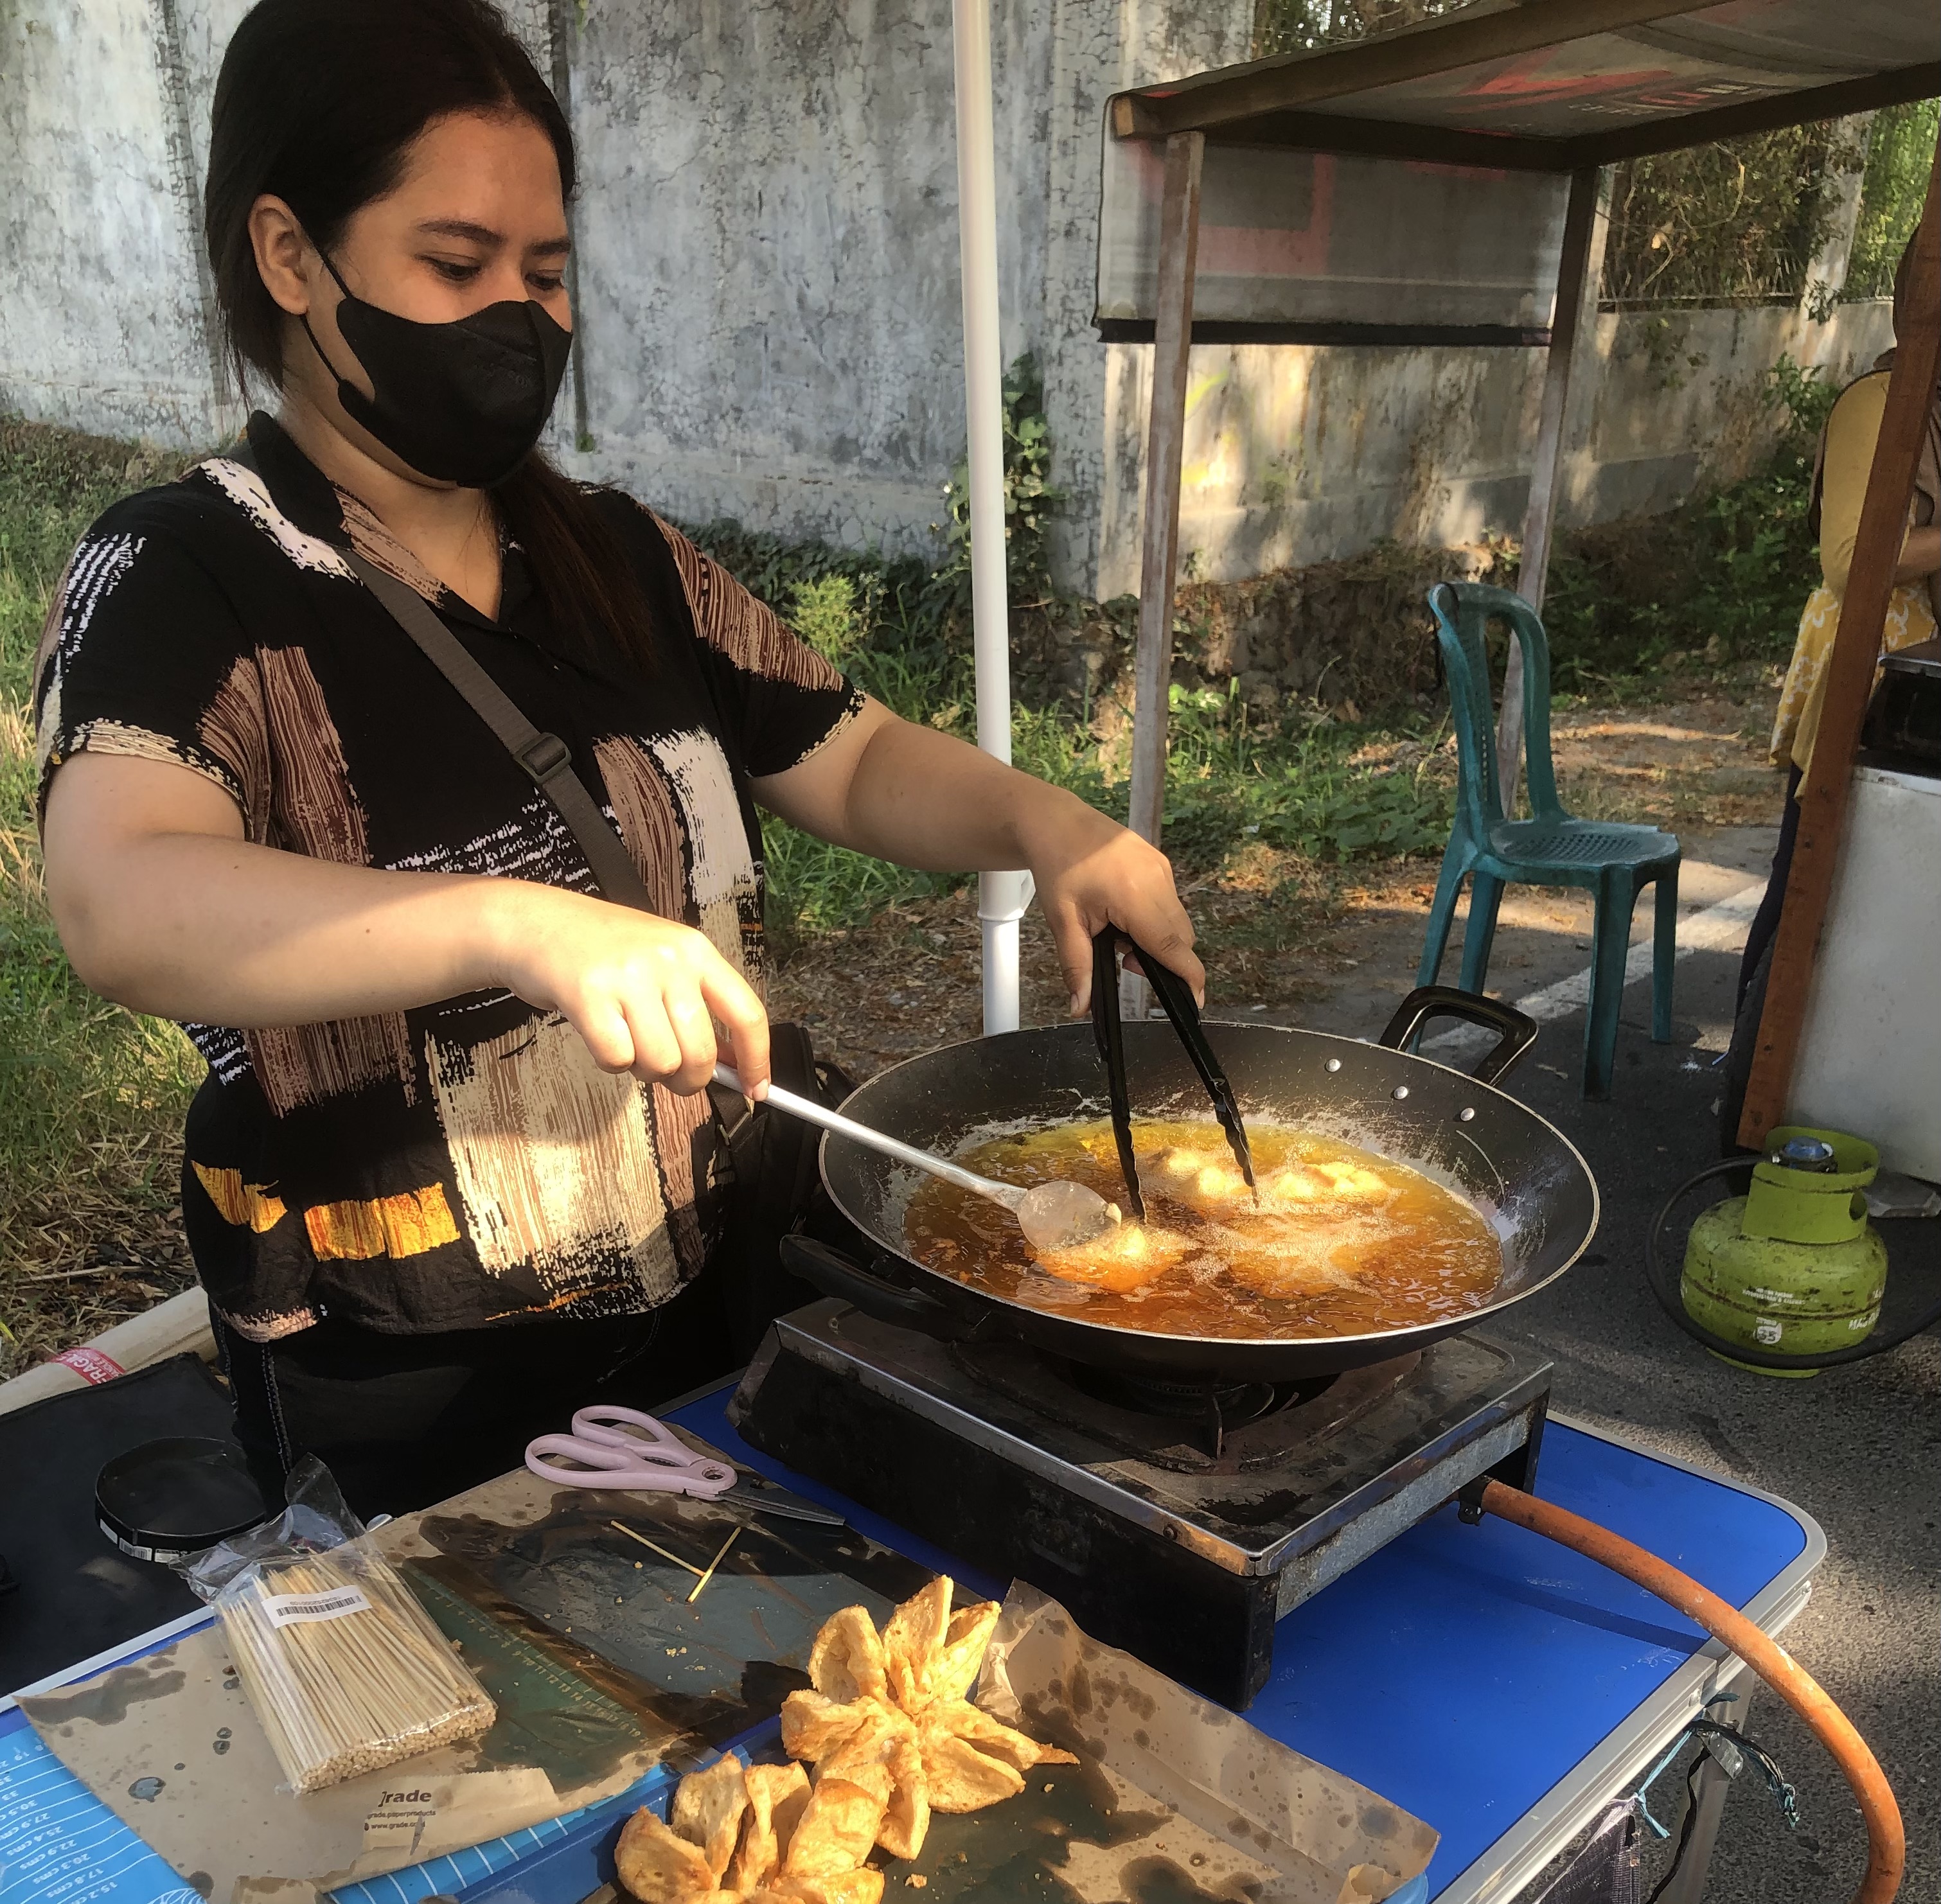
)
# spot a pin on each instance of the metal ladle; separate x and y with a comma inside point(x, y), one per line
point(1059, 1215)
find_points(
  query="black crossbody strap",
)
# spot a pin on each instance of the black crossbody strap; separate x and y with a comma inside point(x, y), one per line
point(545, 757)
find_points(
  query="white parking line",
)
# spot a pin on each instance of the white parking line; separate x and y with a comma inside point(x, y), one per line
point(1722, 927)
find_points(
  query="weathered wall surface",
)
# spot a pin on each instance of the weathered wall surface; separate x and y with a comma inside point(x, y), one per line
point(102, 139)
point(769, 287)
point(1296, 455)
point(768, 259)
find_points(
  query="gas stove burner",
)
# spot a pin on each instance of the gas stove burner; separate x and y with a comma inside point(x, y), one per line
point(1208, 1427)
point(1177, 1519)
point(1226, 1404)
point(1212, 1407)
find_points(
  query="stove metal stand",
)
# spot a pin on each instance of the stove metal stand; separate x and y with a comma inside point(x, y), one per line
point(1177, 1521)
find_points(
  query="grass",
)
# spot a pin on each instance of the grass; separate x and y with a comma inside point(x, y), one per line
point(91, 1096)
point(1303, 782)
point(1720, 581)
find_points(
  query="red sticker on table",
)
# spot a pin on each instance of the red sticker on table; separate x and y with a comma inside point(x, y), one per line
point(91, 1365)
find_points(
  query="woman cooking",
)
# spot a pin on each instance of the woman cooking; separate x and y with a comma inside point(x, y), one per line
point(452, 1170)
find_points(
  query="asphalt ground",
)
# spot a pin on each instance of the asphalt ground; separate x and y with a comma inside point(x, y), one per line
point(1854, 1447)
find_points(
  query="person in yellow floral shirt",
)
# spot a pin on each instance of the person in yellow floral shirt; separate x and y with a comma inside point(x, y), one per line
point(1841, 467)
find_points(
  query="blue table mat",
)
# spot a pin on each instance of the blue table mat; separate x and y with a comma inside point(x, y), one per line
point(1461, 1672)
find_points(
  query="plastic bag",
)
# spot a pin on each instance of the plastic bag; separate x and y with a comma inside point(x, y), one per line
point(343, 1667)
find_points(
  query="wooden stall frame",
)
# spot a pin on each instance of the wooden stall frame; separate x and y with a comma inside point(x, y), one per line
point(1284, 103)
point(1166, 440)
point(1849, 684)
point(1579, 267)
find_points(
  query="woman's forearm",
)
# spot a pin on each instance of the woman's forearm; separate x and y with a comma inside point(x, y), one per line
point(1920, 554)
point(163, 907)
point(190, 927)
point(925, 800)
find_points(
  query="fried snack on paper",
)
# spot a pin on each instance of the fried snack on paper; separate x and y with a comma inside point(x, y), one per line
point(863, 1886)
point(975, 1727)
point(915, 1745)
point(776, 1795)
point(911, 1640)
point(707, 1811)
point(870, 1746)
point(961, 1777)
point(955, 1670)
point(883, 1756)
point(906, 1821)
point(846, 1661)
point(657, 1866)
point(813, 1724)
point(834, 1834)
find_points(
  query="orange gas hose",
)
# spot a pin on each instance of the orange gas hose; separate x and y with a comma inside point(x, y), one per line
point(1887, 1842)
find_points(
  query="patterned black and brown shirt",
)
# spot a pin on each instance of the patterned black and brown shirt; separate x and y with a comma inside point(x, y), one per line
point(465, 1162)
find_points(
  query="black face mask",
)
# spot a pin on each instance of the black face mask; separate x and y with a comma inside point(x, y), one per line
point(461, 402)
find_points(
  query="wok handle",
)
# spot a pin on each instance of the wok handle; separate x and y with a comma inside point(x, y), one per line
point(1427, 1001)
point(840, 1276)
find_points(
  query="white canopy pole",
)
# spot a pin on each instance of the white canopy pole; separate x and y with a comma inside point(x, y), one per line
point(1001, 896)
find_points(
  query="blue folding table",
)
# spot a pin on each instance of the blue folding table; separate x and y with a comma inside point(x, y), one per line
point(1497, 1685)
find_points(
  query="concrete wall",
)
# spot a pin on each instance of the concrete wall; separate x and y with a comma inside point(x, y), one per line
point(104, 115)
point(768, 306)
point(1296, 455)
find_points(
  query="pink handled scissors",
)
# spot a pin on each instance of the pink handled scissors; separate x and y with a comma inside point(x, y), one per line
point(621, 1447)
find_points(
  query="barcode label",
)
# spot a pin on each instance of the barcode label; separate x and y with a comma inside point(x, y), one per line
point(284, 1610)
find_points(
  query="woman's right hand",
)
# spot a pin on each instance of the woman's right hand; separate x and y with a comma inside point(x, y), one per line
point(644, 993)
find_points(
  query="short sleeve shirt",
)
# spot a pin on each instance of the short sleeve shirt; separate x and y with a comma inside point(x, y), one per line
point(465, 1162)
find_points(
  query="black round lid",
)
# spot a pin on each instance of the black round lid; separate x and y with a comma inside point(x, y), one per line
point(176, 1496)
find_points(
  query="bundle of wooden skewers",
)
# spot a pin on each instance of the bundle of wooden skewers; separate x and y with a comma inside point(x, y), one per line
point(344, 1670)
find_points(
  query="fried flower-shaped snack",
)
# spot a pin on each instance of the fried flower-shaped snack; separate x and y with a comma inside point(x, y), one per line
point(777, 1797)
point(991, 1737)
point(1198, 1177)
point(1334, 1187)
point(863, 1886)
point(913, 1638)
point(658, 1866)
point(961, 1777)
point(922, 1746)
point(1125, 1259)
point(846, 1661)
point(835, 1833)
point(1309, 1259)
point(707, 1811)
point(813, 1724)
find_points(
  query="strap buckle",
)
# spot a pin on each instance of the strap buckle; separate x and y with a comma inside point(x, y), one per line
point(545, 757)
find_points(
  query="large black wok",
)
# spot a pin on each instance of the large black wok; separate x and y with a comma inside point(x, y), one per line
point(1521, 1173)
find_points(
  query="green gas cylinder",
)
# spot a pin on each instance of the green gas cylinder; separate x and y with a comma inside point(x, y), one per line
point(1793, 1266)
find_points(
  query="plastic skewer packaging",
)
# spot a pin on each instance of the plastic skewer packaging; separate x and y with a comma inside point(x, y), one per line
point(344, 1669)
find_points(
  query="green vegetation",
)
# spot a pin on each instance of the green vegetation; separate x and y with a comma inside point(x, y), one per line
point(1726, 574)
point(1900, 152)
point(902, 632)
point(91, 1096)
point(1737, 220)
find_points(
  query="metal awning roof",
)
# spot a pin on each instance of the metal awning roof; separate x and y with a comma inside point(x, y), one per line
point(1560, 85)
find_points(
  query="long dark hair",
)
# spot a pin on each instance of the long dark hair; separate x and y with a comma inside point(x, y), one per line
point(318, 101)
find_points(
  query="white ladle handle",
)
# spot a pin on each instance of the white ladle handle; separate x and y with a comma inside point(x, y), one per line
point(812, 1113)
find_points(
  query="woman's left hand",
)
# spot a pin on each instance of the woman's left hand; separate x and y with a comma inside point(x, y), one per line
point(1092, 873)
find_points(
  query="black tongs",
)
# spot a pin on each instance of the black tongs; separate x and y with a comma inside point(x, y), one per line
point(1175, 998)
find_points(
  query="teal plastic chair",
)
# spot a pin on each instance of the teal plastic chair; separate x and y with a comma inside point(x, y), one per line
point(1550, 848)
